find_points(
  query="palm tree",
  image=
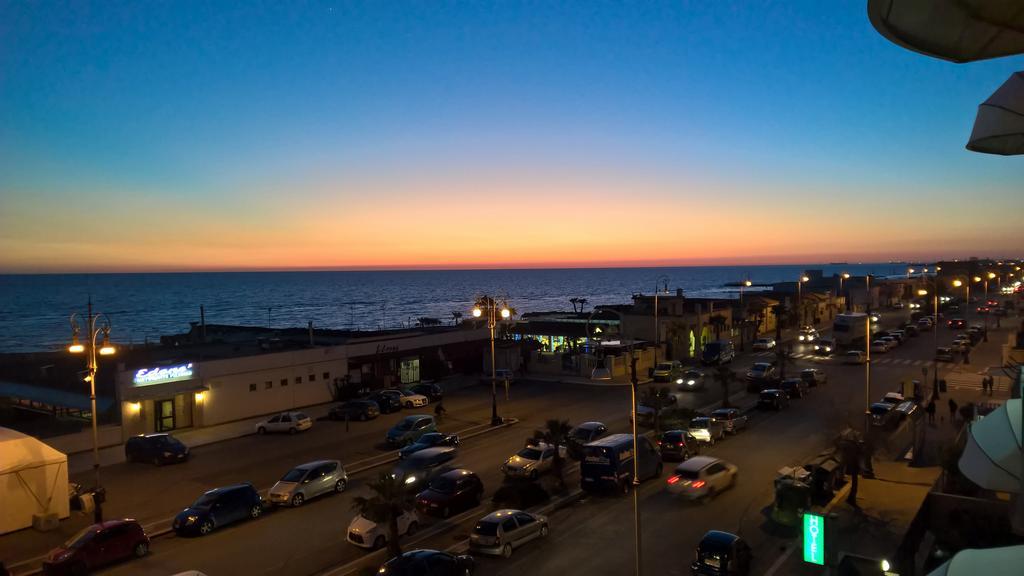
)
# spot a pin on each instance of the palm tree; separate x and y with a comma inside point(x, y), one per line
point(456, 317)
point(426, 321)
point(583, 302)
point(388, 502)
point(556, 434)
point(574, 301)
point(781, 359)
point(724, 376)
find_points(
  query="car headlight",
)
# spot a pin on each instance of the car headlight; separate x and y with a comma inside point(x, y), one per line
point(410, 479)
point(691, 382)
point(828, 349)
point(168, 454)
point(680, 381)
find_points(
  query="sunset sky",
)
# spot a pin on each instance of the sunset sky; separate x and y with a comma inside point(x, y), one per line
point(191, 136)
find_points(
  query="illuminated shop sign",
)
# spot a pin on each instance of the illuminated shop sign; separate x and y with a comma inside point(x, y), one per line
point(147, 376)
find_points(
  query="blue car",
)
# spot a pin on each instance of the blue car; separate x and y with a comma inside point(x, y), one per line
point(219, 507)
point(430, 440)
point(410, 429)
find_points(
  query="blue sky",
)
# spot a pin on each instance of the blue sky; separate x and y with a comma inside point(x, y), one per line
point(246, 112)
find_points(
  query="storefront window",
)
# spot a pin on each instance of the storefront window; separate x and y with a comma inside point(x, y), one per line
point(410, 370)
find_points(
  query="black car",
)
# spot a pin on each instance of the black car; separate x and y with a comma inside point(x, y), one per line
point(450, 492)
point(428, 563)
point(794, 387)
point(156, 448)
point(219, 507)
point(386, 403)
point(721, 554)
point(677, 445)
point(773, 399)
point(432, 391)
point(354, 410)
point(429, 440)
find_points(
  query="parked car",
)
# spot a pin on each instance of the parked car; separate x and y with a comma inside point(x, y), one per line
point(882, 414)
point(671, 371)
point(718, 352)
point(794, 387)
point(706, 429)
point(773, 399)
point(813, 377)
point(587, 432)
point(217, 508)
point(386, 402)
point(432, 391)
point(409, 429)
point(429, 440)
point(944, 355)
point(409, 398)
point(502, 531)
point(97, 545)
point(156, 448)
point(677, 445)
point(956, 324)
point(369, 531)
point(428, 563)
point(722, 554)
point(808, 335)
point(893, 398)
point(416, 471)
point(764, 343)
point(907, 409)
point(761, 374)
point(911, 330)
point(853, 357)
point(354, 410)
point(290, 422)
point(702, 477)
point(453, 491)
point(890, 342)
point(880, 346)
point(531, 461)
point(825, 346)
point(731, 418)
point(692, 380)
point(899, 335)
point(925, 323)
point(307, 481)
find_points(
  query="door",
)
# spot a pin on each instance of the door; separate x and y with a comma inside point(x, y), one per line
point(717, 476)
point(528, 528)
point(285, 423)
point(325, 479)
point(510, 532)
point(164, 415)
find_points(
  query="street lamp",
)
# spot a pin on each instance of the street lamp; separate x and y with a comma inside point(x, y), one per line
point(799, 301)
point(488, 306)
point(635, 382)
point(842, 277)
point(935, 342)
point(989, 276)
point(743, 313)
point(657, 328)
point(96, 324)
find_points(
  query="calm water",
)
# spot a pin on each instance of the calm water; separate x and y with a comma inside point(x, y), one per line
point(34, 309)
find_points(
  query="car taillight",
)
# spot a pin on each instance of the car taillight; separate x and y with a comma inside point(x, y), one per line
point(659, 442)
point(673, 479)
point(698, 484)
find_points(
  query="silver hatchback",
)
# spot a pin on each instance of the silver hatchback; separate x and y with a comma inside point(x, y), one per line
point(503, 531)
point(308, 481)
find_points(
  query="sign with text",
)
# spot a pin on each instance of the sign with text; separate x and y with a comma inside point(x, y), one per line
point(150, 376)
point(814, 539)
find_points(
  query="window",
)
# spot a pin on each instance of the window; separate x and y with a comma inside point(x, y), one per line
point(312, 377)
point(286, 418)
point(284, 381)
point(326, 375)
point(268, 385)
point(524, 519)
point(298, 379)
point(252, 387)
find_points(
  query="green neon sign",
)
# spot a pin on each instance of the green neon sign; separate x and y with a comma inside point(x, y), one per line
point(814, 539)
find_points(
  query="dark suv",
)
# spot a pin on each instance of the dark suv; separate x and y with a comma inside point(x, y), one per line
point(219, 507)
point(428, 562)
point(386, 403)
point(677, 445)
point(354, 410)
point(773, 399)
point(432, 391)
point(156, 448)
point(452, 491)
point(97, 545)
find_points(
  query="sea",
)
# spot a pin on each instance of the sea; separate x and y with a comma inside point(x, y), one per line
point(35, 309)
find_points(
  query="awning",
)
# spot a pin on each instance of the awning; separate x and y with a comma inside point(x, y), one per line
point(992, 457)
point(169, 390)
point(955, 30)
point(999, 126)
point(1006, 560)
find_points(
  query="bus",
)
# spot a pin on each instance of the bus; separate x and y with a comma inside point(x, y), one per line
point(850, 329)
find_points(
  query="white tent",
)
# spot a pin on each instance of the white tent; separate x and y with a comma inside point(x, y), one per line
point(1005, 560)
point(999, 127)
point(33, 481)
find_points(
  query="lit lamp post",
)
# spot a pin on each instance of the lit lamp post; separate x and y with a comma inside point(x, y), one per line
point(935, 342)
point(967, 298)
point(490, 308)
point(743, 311)
point(842, 277)
point(657, 328)
point(95, 325)
point(799, 301)
point(989, 276)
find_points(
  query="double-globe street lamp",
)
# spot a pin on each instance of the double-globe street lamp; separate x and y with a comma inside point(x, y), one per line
point(95, 325)
point(487, 306)
point(842, 277)
point(799, 301)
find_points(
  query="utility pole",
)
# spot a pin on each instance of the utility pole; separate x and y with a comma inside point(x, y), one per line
point(636, 466)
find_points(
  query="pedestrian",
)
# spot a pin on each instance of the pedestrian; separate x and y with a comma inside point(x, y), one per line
point(930, 409)
point(952, 410)
point(984, 385)
point(439, 410)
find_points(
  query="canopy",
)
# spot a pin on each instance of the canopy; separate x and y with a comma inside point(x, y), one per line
point(955, 30)
point(1005, 560)
point(992, 458)
point(999, 126)
point(33, 481)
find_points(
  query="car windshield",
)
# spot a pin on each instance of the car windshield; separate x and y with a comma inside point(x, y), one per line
point(406, 424)
point(692, 374)
point(485, 528)
point(443, 485)
point(767, 395)
point(375, 514)
point(672, 437)
point(294, 475)
point(529, 453)
point(406, 392)
point(666, 366)
point(688, 474)
point(205, 501)
point(702, 422)
point(430, 438)
point(880, 409)
point(580, 433)
point(81, 538)
point(761, 367)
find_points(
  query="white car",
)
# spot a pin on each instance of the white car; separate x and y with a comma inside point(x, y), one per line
point(308, 481)
point(290, 422)
point(409, 399)
point(531, 461)
point(853, 357)
point(764, 343)
point(808, 335)
point(368, 533)
point(702, 477)
point(825, 346)
point(880, 346)
point(692, 380)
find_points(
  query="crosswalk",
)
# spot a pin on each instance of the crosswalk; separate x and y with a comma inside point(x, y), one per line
point(880, 359)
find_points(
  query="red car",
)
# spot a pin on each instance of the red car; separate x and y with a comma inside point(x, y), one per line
point(98, 545)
